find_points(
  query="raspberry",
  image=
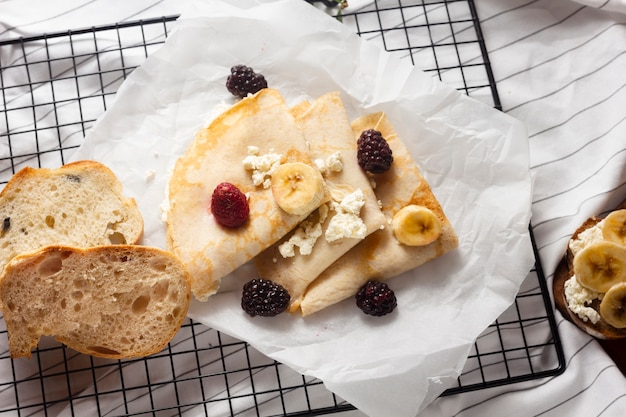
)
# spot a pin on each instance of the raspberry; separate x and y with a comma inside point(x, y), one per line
point(376, 298)
point(262, 297)
point(229, 205)
point(374, 153)
point(243, 81)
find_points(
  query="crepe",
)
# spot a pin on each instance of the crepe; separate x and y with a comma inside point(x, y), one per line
point(328, 133)
point(262, 121)
point(380, 256)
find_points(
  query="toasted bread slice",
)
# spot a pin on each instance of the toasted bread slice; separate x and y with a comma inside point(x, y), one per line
point(327, 129)
point(380, 256)
point(78, 204)
point(564, 271)
point(113, 301)
point(216, 155)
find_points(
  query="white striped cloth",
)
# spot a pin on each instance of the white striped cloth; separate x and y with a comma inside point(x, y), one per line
point(560, 68)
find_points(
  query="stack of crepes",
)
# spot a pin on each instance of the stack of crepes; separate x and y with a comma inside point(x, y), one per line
point(325, 254)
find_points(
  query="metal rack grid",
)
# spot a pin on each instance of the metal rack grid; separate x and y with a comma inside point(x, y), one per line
point(54, 87)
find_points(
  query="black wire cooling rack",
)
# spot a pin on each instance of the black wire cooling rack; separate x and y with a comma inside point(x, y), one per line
point(56, 85)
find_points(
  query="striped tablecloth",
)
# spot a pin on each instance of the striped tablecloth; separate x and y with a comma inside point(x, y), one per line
point(560, 67)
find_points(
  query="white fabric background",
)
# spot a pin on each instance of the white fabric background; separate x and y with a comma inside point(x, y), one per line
point(559, 67)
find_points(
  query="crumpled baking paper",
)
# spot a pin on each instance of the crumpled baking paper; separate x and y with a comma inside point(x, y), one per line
point(474, 157)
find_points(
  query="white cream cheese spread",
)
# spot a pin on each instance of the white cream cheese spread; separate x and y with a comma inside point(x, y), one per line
point(586, 237)
point(579, 298)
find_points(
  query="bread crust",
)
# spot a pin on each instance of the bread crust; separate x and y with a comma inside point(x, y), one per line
point(112, 301)
point(78, 204)
point(564, 271)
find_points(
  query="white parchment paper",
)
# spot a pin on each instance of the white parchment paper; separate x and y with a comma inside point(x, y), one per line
point(475, 158)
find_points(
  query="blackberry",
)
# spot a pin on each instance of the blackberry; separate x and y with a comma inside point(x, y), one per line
point(374, 154)
point(243, 81)
point(376, 298)
point(262, 297)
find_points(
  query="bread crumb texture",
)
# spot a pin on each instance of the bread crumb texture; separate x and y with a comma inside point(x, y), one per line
point(113, 301)
point(79, 204)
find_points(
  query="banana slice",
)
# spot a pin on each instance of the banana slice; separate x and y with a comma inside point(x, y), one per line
point(600, 265)
point(298, 188)
point(415, 225)
point(614, 227)
point(613, 306)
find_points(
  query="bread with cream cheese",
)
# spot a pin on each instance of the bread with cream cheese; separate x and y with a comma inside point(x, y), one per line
point(564, 272)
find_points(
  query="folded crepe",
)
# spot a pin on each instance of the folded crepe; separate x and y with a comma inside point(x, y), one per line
point(299, 257)
point(259, 126)
point(381, 256)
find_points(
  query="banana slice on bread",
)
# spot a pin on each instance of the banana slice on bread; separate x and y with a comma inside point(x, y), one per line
point(600, 265)
point(614, 228)
point(589, 283)
point(613, 306)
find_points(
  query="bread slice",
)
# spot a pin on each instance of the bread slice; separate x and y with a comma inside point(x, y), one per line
point(217, 155)
point(327, 129)
point(564, 271)
point(113, 301)
point(78, 204)
point(380, 256)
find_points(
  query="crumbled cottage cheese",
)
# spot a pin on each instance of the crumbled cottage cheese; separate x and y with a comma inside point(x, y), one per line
point(331, 164)
point(586, 237)
point(578, 297)
point(304, 238)
point(346, 222)
point(305, 235)
point(262, 166)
